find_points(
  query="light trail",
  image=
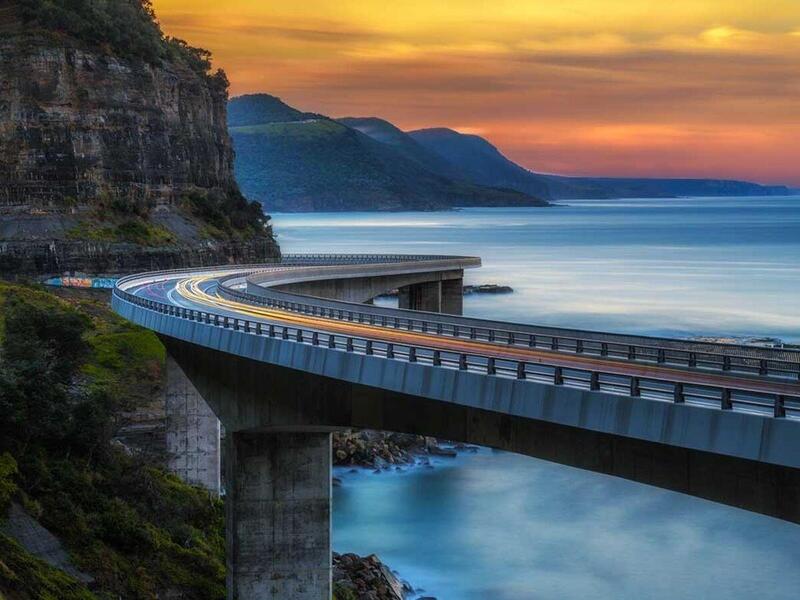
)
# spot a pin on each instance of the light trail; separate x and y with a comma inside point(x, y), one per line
point(191, 289)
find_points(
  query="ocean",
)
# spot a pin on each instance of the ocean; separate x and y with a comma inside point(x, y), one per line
point(497, 526)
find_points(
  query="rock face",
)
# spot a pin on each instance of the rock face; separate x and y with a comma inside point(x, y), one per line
point(91, 141)
point(365, 578)
point(78, 124)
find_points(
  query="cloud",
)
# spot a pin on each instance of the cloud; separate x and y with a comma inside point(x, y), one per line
point(579, 85)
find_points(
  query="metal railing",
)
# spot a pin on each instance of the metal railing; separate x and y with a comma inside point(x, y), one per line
point(693, 356)
point(778, 405)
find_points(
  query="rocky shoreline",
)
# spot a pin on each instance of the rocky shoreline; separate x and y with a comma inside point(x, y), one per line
point(383, 450)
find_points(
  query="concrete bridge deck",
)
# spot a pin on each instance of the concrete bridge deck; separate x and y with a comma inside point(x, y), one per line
point(282, 368)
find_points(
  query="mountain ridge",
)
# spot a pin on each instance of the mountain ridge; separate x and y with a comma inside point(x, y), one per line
point(290, 160)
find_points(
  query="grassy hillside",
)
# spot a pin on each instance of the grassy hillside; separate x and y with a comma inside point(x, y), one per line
point(312, 163)
point(69, 372)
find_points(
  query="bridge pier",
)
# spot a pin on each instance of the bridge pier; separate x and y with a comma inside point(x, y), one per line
point(278, 529)
point(425, 296)
point(443, 296)
point(192, 432)
point(452, 296)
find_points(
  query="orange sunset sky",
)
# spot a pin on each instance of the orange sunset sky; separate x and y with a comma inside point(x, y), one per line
point(696, 88)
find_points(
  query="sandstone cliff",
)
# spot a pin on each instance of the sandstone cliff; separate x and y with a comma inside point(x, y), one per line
point(114, 160)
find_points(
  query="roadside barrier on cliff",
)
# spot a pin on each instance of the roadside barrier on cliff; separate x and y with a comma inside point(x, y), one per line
point(82, 282)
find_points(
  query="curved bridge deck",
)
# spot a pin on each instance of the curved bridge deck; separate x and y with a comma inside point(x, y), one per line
point(713, 420)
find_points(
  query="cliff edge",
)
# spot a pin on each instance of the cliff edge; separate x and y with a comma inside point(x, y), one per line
point(114, 151)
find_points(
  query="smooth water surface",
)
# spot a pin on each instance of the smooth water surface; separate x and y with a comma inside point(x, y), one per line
point(497, 526)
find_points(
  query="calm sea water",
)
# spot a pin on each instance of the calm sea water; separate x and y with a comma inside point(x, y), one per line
point(506, 527)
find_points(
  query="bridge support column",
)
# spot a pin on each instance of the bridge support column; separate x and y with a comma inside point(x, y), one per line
point(425, 296)
point(453, 296)
point(278, 530)
point(192, 432)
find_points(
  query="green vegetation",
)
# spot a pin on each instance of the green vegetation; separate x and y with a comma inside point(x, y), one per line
point(135, 230)
point(256, 109)
point(23, 577)
point(226, 216)
point(69, 372)
point(128, 28)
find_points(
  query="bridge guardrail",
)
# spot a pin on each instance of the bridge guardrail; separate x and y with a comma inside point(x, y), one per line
point(690, 358)
point(778, 405)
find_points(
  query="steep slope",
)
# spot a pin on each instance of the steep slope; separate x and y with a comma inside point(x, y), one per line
point(484, 164)
point(385, 132)
point(114, 152)
point(256, 109)
point(294, 161)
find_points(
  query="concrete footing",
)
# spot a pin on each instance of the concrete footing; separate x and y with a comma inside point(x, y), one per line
point(278, 530)
point(192, 432)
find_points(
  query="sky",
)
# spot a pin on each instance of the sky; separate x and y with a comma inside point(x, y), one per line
point(694, 88)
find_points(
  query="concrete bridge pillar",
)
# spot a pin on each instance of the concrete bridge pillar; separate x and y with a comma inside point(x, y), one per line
point(453, 296)
point(425, 296)
point(192, 432)
point(278, 529)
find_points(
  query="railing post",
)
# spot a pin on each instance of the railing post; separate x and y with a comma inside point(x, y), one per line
point(225, 322)
point(631, 352)
point(677, 393)
point(456, 331)
point(635, 389)
point(439, 328)
point(299, 335)
point(725, 399)
point(349, 346)
point(424, 327)
point(258, 328)
point(661, 356)
point(532, 341)
point(437, 358)
point(762, 367)
point(578, 346)
point(521, 370)
point(558, 376)
point(510, 338)
point(692, 359)
point(331, 341)
point(368, 350)
point(412, 354)
point(726, 363)
point(604, 349)
point(315, 338)
point(490, 366)
point(462, 362)
point(594, 381)
point(554, 343)
point(780, 406)
point(285, 332)
point(272, 331)
point(389, 350)
point(491, 335)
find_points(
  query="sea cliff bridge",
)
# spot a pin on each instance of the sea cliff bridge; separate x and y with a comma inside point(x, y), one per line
point(286, 353)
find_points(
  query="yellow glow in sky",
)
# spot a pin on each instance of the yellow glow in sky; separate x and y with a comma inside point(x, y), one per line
point(617, 87)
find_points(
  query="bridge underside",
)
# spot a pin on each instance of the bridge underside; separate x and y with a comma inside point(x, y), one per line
point(270, 403)
point(436, 291)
